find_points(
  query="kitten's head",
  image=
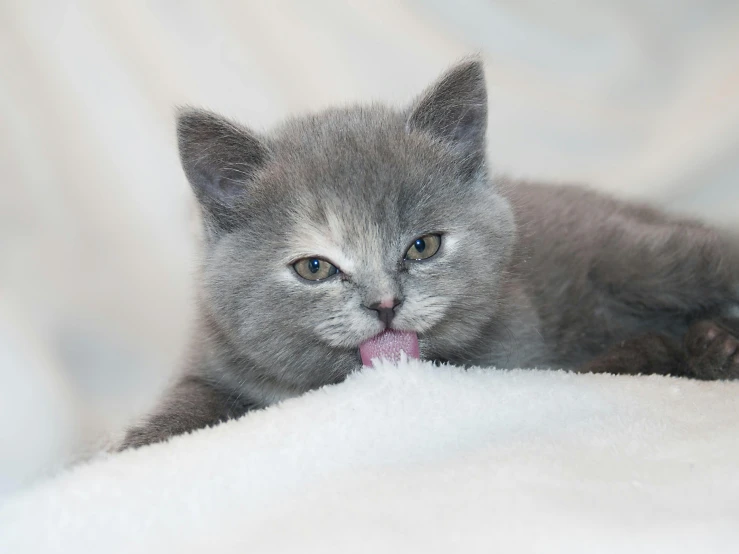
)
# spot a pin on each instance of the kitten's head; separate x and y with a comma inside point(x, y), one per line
point(315, 227)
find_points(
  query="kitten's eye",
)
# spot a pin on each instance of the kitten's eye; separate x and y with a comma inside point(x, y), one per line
point(423, 247)
point(315, 269)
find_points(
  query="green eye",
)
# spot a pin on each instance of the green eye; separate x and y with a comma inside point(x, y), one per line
point(315, 269)
point(423, 247)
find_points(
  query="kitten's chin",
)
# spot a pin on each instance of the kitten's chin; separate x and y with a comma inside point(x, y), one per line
point(390, 345)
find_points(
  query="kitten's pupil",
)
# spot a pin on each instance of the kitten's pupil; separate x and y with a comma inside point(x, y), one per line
point(420, 245)
point(314, 265)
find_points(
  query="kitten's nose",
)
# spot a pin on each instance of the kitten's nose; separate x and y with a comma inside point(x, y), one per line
point(386, 309)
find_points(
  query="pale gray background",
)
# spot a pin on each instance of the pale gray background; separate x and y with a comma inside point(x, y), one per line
point(639, 98)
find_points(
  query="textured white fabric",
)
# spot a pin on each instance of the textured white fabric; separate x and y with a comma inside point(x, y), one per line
point(419, 458)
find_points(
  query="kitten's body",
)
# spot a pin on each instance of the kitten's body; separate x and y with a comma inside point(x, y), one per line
point(526, 276)
point(600, 271)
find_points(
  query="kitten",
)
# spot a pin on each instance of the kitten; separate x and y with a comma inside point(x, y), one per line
point(364, 231)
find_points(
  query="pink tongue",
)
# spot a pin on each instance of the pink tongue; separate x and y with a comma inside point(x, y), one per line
point(389, 344)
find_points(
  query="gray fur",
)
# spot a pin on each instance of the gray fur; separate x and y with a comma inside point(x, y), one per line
point(527, 275)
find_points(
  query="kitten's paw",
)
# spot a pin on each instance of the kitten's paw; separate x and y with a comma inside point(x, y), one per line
point(142, 436)
point(712, 351)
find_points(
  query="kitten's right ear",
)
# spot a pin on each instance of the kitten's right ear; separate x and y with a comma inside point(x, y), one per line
point(220, 158)
point(454, 109)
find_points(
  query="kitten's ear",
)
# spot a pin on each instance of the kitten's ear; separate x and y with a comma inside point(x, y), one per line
point(455, 109)
point(220, 159)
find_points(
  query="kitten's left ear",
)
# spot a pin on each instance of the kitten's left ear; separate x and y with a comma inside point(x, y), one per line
point(454, 109)
point(220, 159)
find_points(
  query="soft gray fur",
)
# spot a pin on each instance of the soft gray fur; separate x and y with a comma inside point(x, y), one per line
point(526, 276)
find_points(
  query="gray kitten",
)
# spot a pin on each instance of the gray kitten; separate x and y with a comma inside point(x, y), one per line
point(364, 231)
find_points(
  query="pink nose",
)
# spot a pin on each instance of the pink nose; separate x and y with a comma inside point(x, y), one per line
point(385, 309)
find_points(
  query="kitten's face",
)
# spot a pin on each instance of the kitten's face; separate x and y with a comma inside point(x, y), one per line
point(354, 188)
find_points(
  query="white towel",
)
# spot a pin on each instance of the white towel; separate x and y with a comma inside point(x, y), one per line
point(419, 458)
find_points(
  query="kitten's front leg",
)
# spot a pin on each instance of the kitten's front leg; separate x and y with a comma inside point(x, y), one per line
point(712, 350)
point(709, 350)
point(191, 404)
point(651, 353)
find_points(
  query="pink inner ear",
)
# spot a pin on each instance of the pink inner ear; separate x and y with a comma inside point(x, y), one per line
point(388, 345)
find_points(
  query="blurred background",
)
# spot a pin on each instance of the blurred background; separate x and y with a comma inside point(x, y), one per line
point(97, 225)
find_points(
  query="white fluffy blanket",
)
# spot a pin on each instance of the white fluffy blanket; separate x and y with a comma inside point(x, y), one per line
point(419, 458)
